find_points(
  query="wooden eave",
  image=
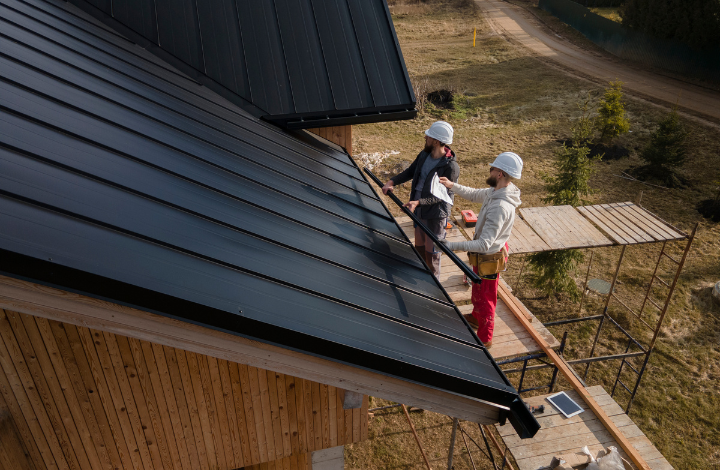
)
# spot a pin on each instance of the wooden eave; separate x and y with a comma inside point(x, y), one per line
point(60, 305)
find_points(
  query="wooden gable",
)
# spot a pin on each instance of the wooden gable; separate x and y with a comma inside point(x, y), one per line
point(75, 397)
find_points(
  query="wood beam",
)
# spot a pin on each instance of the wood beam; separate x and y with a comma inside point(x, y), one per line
point(55, 304)
point(518, 310)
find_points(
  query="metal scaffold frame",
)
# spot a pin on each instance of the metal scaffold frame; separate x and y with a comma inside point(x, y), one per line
point(634, 348)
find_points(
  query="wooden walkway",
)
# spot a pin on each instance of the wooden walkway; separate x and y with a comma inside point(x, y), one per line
point(565, 227)
point(510, 337)
point(560, 436)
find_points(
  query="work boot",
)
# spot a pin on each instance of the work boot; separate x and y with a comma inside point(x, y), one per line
point(471, 320)
point(433, 261)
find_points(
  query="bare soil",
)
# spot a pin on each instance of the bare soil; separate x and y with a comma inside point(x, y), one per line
point(506, 97)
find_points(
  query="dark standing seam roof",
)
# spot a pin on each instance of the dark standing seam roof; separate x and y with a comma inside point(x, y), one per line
point(300, 63)
point(123, 179)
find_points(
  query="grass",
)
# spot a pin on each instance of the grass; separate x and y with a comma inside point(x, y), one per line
point(611, 13)
point(505, 99)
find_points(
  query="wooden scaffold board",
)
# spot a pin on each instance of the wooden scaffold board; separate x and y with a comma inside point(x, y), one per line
point(562, 227)
point(560, 436)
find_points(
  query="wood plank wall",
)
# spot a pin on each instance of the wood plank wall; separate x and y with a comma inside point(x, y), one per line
point(83, 399)
point(341, 135)
point(294, 462)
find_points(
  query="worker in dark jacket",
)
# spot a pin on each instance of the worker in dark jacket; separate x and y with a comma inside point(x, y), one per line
point(436, 159)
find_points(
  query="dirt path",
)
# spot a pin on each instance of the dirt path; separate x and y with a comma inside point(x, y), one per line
point(519, 25)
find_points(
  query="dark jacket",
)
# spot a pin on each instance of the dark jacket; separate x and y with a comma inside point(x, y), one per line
point(431, 207)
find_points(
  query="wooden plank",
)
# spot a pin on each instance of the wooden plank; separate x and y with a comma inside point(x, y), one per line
point(339, 398)
point(251, 391)
point(332, 416)
point(239, 412)
point(651, 219)
point(169, 419)
point(228, 408)
point(150, 425)
point(356, 424)
point(627, 223)
point(275, 413)
point(14, 454)
point(210, 437)
point(76, 309)
point(583, 230)
point(535, 218)
point(136, 410)
point(83, 387)
point(626, 209)
point(325, 415)
point(91, 367)
point(317, 415)
point(21, 411)
point(623, 236)
point(201, 432)
point(364, 418)
point(261, 404)
point(174, 387)
point(293, 414)
point(616, 235)
point(570, 377)
point(30, 371)
point(306, 398)
point(284, 415)
point(214, 394)
point(136, 365)
point(90, 439)
point(250, 420)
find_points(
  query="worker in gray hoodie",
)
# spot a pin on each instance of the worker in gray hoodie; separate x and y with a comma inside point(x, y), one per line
point(488, 251)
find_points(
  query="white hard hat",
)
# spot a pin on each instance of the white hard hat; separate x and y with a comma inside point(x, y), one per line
point(442, 131)
point(510, 163)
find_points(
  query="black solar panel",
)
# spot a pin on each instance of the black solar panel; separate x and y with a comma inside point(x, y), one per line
point(124, 179)
point(299, 63)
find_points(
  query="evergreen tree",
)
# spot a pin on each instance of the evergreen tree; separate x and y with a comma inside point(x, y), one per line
point(611, 121)
point(552, 269)
point(666, 150)
point(694, 22)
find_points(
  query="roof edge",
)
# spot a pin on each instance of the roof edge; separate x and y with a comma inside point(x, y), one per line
point(50, 302)
point(69, 279)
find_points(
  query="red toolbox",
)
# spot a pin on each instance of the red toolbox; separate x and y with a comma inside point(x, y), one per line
point(469, 218)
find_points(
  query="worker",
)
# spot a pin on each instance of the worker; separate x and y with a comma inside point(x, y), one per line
point(488, 251)
point(435, 159)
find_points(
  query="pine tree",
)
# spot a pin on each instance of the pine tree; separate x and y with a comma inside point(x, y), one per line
point(694, 22)
point(611, 120)
point(552, 269)
point(666, 150)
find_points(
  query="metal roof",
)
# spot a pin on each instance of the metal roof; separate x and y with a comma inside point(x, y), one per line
point(298, 63)
point(121, 178)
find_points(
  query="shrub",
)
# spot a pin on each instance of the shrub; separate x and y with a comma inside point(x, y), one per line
point(611, 120)
point(552, 269)
point(666, 150)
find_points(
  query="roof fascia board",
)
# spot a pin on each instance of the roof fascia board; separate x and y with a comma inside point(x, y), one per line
point(60, 305)
point(346, 118)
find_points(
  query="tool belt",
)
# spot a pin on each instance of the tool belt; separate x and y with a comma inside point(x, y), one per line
point(487, 265)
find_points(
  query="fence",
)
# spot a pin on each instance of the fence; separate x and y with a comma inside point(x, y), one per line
point(628, 44)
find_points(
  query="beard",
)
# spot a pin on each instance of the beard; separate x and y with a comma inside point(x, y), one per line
point(428, 149)
point(491, 181)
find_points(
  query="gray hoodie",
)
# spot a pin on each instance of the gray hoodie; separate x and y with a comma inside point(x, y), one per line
point(495, 220)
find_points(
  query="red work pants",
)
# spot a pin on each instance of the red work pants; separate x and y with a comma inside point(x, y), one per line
point(484, 300)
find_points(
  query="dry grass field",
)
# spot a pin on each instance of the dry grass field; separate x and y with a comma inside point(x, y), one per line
point(505, 99)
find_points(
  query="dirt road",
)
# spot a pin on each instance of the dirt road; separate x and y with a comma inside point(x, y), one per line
point(517, 24)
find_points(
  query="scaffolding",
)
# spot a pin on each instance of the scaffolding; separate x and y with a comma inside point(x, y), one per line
point(622, 224)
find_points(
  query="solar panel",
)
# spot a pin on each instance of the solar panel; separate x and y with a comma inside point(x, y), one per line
point(565, 404)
